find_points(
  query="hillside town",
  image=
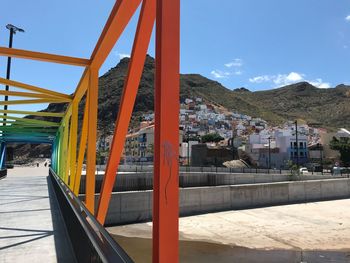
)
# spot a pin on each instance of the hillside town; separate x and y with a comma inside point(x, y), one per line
point(237, 136)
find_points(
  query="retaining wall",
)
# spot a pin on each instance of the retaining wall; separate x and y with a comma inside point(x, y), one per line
point(132, 207)
point(144, 181)
point(210, 169)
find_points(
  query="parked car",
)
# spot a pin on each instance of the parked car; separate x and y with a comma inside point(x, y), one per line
point(303, 170)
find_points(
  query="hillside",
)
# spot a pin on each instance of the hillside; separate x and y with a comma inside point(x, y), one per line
point(323, 107)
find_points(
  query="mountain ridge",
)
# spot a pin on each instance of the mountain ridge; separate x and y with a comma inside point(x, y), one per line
point(326, 107)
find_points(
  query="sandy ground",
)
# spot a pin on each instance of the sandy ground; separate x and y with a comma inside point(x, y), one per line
point(313, 226)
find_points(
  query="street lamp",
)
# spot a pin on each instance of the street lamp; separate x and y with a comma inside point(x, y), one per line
point(231, 143)
point(320, 147)
point(188, 145)
point(13, 29)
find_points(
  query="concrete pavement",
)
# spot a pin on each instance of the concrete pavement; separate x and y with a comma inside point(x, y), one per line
point(31, 226)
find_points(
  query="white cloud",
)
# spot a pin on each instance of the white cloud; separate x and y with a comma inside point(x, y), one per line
point(219, 74)
point(122, 55)
point(347, 18)
point(320, 84)
point(287, 79)
point(233, 68)
point(235, 63)
point(260, 79)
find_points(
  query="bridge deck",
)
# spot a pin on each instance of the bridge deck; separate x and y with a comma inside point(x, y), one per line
point(31, 225)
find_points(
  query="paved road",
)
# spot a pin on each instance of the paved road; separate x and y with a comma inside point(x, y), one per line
point(31, 225)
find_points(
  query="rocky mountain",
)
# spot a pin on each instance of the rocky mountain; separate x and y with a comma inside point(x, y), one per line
point(327, 108)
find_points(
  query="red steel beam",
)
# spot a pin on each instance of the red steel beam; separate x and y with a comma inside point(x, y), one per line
point(132, 81)
point(166, 135)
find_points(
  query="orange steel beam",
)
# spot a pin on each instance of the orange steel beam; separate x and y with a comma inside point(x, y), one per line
point(116, 23)
point(166, 134)
point(120, 16)
point(132, 81)
point(82, 86)
point(91, 143)
point(26, 54)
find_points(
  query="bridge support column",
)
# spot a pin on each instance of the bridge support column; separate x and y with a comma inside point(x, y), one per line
point(166, 134)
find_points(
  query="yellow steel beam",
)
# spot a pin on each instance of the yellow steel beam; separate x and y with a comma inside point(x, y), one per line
point(68, 156)
point(73, 144)
point(59, 150)
point(91, 143)
point(26, 54)
point(30, 95)
point(82, 147)
point(36, 113)
point(32, 121)
point(33, 101)
point(64, 151)
point(21, 85)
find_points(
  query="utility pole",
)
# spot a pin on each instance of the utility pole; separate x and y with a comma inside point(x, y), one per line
point(13, 29)
point(231, 144)
point(296, 140)
point(188, 145)
point(320, 147)
point(269, 152)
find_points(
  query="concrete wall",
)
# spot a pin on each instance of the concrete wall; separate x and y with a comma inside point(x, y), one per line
point(144, 181)
point(131, 207)
point(149, 168)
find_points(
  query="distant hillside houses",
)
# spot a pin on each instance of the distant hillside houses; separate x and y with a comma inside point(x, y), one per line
point(265, 146)
point(278, 147)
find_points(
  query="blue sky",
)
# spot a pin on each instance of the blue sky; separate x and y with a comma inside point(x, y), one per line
point(258, 44)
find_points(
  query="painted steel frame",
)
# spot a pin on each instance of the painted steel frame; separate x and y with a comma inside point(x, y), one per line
point(68, 156)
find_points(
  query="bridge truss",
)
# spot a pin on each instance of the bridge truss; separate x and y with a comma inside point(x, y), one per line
point(70, 151)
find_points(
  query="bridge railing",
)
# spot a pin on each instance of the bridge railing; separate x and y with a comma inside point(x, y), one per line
point(90, 241)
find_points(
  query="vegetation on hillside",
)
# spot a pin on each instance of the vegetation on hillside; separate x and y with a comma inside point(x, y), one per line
point(211, 137)
point(343, 146)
